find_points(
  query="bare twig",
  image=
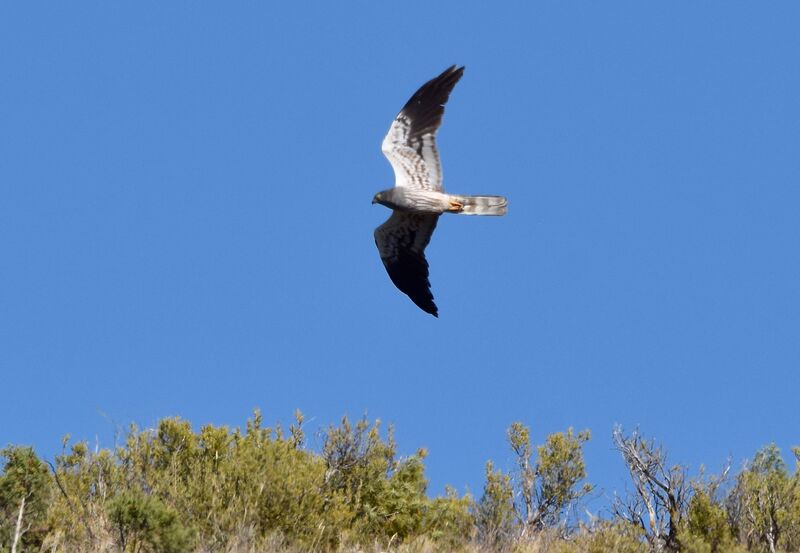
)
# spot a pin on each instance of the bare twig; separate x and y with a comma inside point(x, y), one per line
point(18, 528)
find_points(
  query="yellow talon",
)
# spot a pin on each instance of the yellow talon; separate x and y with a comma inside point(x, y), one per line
point(456, 206)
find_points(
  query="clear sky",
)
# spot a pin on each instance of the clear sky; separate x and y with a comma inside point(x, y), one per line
point(186, 226)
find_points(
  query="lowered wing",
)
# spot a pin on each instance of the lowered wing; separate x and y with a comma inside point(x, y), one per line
point(401, 241)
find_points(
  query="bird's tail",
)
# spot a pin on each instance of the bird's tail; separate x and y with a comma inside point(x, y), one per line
point(479, 205)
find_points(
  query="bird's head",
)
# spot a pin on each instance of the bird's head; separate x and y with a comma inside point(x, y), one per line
point(388, 197)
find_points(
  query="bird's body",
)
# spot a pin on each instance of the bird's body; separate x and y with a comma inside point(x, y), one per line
point(428, 201)
point(418, 197)
point(414, 200)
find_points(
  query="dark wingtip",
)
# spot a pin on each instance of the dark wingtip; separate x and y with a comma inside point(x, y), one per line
point(426, 106)
point(427, 306)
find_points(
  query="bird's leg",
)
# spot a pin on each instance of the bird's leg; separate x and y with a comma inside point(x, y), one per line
point(455, 206)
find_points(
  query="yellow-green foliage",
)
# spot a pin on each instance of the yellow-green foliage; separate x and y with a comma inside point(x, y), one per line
point(145, 525)
point(495, 516)
point(172, 489)
point(168, 488)
point(548, 485)
point(24, 488)
point(766, 504)
point(707, 528)
point(602, 537)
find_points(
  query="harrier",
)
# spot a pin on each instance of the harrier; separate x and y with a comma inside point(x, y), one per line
point(418, 197)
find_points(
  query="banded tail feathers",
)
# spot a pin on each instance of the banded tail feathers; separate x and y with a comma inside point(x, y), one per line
point(480, 205)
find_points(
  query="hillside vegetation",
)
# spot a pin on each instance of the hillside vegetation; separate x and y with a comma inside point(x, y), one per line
point(258, 489)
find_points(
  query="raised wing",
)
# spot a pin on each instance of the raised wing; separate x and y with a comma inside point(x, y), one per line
point(410, 144)
point(401, 241)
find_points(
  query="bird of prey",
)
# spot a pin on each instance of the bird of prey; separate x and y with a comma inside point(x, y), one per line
point(418, 197)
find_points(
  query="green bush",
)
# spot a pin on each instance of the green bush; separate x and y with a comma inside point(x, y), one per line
point(24, 497)
point(145, 525)
point(172, 489)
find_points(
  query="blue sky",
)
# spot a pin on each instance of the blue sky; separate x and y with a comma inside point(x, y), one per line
point(186, 226)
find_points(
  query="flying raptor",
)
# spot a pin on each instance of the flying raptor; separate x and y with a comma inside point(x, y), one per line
point(418, 197)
